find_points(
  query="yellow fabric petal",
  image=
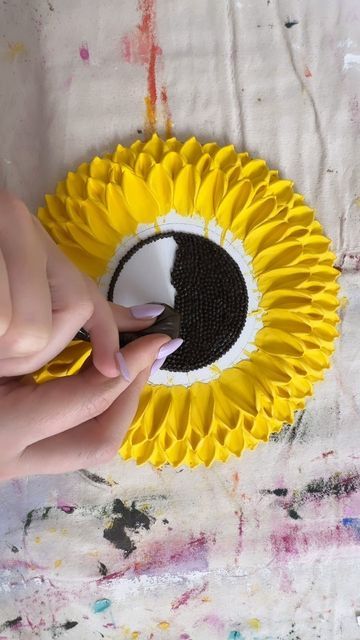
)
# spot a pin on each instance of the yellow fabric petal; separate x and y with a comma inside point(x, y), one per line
point(210, 194)
point(140, 202)
point(161, 186)
point(233, 203)
point(185, 190)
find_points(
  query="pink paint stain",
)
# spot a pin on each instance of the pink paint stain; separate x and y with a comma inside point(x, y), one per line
point(352, 505)
point(84, 52)
point(175, 555)
point(64, 506)
point(307, 72)
point(191, 594)
point(215, 622)
point(21, 564)
point(294, 541)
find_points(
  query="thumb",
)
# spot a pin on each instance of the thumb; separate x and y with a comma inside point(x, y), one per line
point(91, 443)
point(64, 403)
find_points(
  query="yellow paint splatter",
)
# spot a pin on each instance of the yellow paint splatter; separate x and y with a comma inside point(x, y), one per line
point(57, 564)
point(357, 201)
point(15, 49)
point(135, 635)
point(64, 532)
point(215, 369)
point(206, 599)
point(164, 625)
point(255, 624)
point(169, 127)
point(150, 116)
point(37, 539)
point(52, 530)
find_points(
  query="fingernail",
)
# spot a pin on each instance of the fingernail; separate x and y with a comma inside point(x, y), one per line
point(122, 366)
point(169, 348)
point(147, 311)
point(157, 365)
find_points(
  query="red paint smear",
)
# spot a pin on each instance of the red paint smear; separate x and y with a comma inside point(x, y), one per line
point(141, 47)
point(84, 52)
point(167, 112)
point(191, 555)
point(307, 72)
point(239, 546)
point(293, 541)
point(188, 595)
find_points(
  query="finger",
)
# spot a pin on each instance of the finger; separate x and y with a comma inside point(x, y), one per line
point(104, 334)
point(71, 307)
point(25, 260)
point(104, 326)
point(5, 298)
point(94, 442)
point(67, 402)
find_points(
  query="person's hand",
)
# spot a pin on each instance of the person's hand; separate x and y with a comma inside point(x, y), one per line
point(72, 422)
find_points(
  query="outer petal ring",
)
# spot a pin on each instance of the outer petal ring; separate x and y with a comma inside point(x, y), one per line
point(104, 205)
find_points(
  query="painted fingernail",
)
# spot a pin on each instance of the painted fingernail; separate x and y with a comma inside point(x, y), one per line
point(169, 348)
point(122, 366)
point(157, 365)
point(165, 351)
point(147, 311)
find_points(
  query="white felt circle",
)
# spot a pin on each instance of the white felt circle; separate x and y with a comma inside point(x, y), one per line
point(146, 278)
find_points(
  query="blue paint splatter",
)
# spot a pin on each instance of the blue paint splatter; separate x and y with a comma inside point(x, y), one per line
point(101, 605)
point(353, 524)
point(235, 635)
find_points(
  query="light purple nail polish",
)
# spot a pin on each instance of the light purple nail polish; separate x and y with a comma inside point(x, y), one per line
point(147, 311)
point(122, 366)
point(169, 348)
point(157, 365)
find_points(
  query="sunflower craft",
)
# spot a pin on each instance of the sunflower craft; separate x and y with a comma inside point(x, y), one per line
point(243, 260)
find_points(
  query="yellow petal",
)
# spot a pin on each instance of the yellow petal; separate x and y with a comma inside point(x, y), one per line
point(119, 212)
point(211, 148)
point(226, 157)
point(140, 202)
point(277, 342)
point(232, 205)
point(235, 441)
point(210, 194)
point(96, 190)
point(286, 299)
point(172, 163)
point(185, 190)
point(253, 215)
point(143, 164)
point(285, 253)
point(123, 156)
point(155, 148)
point(283, 191)
point(287, 321)
point(283, 278)
point(161, 186)
point(191, 150)
point(257, 170)
point(100, 169)
point(302, 215)
point(204, 164)
point(56, 209)
point(75, 185)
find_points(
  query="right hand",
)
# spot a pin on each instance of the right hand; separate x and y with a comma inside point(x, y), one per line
point(72, 422)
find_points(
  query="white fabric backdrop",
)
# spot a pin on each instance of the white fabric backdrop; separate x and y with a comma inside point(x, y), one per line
point(266, 547)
